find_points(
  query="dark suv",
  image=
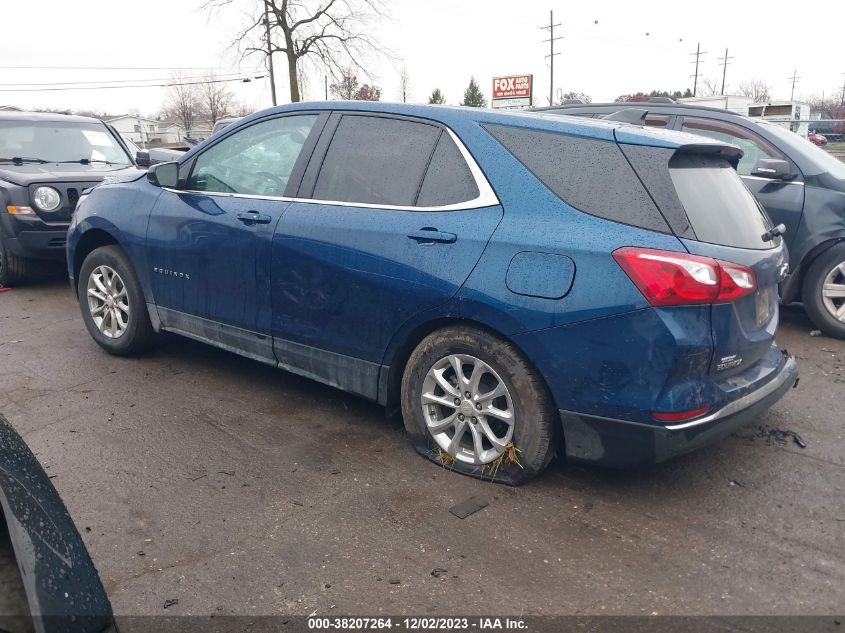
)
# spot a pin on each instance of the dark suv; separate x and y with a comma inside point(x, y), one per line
point(46, 161)
point(800, 185)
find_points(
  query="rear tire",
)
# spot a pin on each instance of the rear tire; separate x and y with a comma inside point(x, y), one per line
point(13, 269)
point(436, 409)
point(112, 303)
point(824, 281)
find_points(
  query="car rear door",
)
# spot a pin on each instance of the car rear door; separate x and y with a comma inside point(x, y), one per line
point(392, 216)
point(783, 200)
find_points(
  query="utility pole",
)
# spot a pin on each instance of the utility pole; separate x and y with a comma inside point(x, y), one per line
point(326, 86)
point(698, 53)
point(270, 53)
point(842, 98)
point(794, 80)
point(725, 63)
point(551, 54)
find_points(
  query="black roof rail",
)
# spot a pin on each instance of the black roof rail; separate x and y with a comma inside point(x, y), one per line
point(635, 116)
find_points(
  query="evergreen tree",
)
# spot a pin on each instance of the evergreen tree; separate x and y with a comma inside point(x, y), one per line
point(437, 97)
point(473, 97)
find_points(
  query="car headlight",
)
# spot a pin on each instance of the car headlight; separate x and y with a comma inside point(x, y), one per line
point(46, 198)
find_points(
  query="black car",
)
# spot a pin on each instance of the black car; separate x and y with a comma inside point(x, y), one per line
point(46, 161)
point(800, 185)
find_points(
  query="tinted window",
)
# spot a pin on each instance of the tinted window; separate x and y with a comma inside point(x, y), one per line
point(657, 120)
point(753, 147)
point(257, 160)
point(718, 204)
point(448, 179)
point(588, 174)
point(375, 160)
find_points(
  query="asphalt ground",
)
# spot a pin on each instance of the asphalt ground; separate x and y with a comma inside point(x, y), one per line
point(199, 476)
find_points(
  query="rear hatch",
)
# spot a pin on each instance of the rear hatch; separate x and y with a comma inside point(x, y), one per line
point(709, 208)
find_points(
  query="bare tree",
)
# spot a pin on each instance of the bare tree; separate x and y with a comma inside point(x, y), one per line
point(346, 86)
point(216, 97)
point(404, 84)
point(708, 87)
point(756, 89)
point(368, 93)
point(331, 33)
point(183, 100)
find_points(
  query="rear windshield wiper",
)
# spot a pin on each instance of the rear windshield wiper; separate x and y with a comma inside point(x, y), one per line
point(20, 160)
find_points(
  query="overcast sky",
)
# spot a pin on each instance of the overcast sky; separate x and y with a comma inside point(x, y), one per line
point(608, 49)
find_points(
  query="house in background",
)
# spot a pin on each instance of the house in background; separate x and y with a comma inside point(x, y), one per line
point(146, 132)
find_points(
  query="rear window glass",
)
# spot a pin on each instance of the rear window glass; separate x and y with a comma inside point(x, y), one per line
point(448, 179)
point(720, 208)
point(589, 174)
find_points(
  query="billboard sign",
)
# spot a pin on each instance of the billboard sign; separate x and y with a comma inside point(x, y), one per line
point(513, 91)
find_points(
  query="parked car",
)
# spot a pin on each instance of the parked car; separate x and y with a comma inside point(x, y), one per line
point(221, 124)
point(507, 281)
point(800, 186)
point(817, 139)
point(48, 582)
point(46, 161)
point(152, 156)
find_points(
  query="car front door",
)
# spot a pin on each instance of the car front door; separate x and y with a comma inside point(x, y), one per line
point(209, 240)
point(392, 217)
point(783, 200)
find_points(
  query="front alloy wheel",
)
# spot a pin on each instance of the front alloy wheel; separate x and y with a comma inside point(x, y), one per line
point(108, 302)
point(833, 292)
point(468, 409)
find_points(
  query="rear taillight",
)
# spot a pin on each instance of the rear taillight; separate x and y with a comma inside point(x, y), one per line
point(667, 278)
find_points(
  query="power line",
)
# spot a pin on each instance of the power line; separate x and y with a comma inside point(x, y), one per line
point(114, 67)
point(120, 81)
point(698, 53)
point(725, 63)
point(165, 85)
point(552, 54)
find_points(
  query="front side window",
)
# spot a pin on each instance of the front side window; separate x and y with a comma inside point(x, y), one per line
point(753, 147)
point(257, 160)
point(60, 142)
point(376, 160)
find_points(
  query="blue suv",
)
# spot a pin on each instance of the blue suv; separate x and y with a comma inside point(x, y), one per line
point(516, 285)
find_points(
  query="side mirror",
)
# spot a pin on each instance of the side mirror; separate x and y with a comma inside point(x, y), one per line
point(772, 168)
point(164, 175)
point(142, 159)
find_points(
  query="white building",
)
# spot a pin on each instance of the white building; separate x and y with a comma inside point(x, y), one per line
point(145, 132)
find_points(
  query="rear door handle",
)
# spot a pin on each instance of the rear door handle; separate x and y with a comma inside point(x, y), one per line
point(253, 217)
point(430, 235)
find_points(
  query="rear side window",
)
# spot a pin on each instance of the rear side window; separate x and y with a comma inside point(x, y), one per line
point(720, 208)
point(376, 160)
point(589, 174)
point(754, 147)
point(448, 179)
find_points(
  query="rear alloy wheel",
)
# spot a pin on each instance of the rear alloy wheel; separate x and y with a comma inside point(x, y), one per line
point(472, 403)
point(112, 303)
point(824, 292)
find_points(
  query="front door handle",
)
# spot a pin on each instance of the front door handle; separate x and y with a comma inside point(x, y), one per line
point(430, 235)
point(253, 217)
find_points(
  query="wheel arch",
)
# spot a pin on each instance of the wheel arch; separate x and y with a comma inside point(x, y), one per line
point(390, 390)
point(90, 240)
point(792, 287)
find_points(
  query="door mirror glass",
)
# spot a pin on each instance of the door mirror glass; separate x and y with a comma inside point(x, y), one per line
point(142, 159)
point(164, 174)
point(772, 168)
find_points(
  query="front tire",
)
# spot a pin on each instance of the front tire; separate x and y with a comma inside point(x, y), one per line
point(823, 292)
point(112, 303)
point(13, 269)
point(472, 403)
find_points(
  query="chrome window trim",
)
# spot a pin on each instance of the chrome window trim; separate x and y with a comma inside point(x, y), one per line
point(775, 180)
point(486, 196)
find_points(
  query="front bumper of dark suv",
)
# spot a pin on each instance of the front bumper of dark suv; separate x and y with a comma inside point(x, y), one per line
point(32, 238)
point(621, 443)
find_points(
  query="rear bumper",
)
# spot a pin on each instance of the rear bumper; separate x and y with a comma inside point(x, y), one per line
point(623, 444)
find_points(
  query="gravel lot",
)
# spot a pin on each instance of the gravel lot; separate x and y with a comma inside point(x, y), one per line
point(196, 475)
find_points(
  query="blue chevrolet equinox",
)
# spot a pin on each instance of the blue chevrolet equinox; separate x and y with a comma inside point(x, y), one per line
point(518, 286)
